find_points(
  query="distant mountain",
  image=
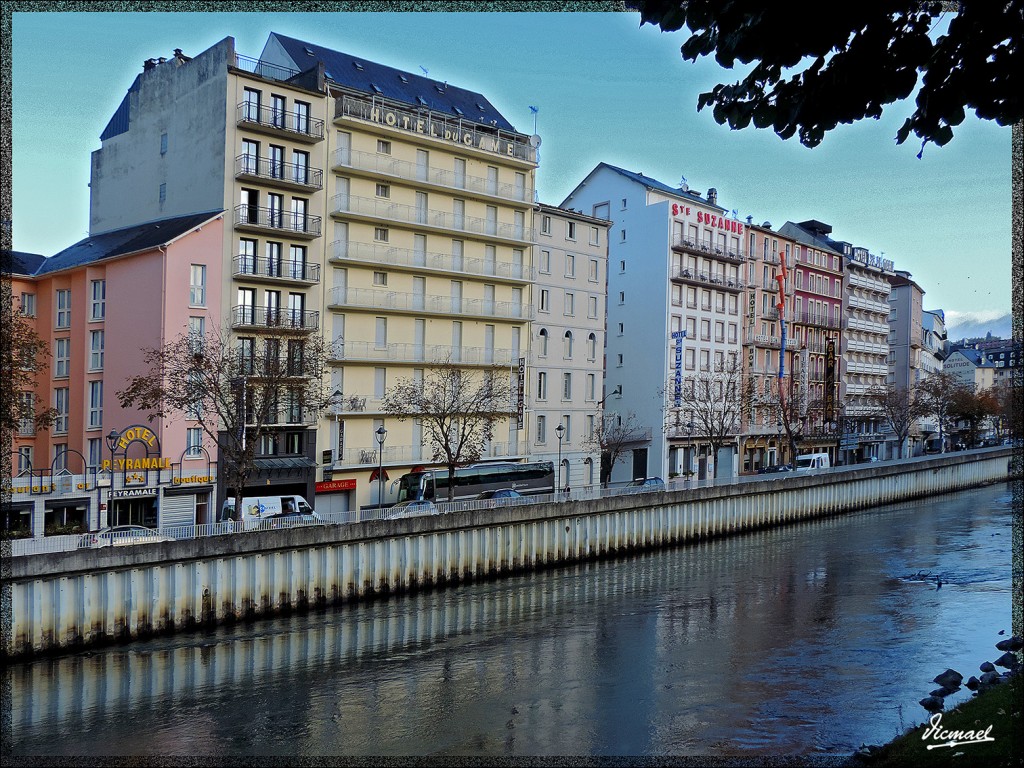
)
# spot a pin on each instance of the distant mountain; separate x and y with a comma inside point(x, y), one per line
point(973, 325)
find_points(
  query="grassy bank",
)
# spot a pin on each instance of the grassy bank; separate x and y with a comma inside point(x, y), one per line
point(999, 707)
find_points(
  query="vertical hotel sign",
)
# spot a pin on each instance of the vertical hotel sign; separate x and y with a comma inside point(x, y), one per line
point(520, 393)
point(830, 379)
point(677, 389)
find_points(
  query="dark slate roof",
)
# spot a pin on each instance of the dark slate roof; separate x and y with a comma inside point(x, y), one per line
point(647, 181)
point(19, 262)
point(362, 75)
point(801, 235)
point(121, 241)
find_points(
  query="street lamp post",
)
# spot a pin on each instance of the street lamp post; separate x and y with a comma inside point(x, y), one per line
point(560, 433)
point(686, 456)
point(111, 439)
point(381, 436)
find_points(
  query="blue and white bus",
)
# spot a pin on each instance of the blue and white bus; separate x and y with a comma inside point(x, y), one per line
point(432, 484)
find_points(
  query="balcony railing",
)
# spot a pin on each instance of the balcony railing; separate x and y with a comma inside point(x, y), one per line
point(708, 249)
point(245, 316)
point(856, 324)
point(445, 262)
point(762, 340)
point(819, 319)
point(245, 265)
point(387, 211)
point(297, 224)
point(859, 302)
point(403, 169)
point(344, 298)
point(298, 126)
point(276, 171)
point(465, 133)
point(869, 284)
point(705, 278)
point(349, 351)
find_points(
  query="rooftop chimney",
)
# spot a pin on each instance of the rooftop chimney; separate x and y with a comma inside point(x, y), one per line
point(713, 196)
point(148, 64)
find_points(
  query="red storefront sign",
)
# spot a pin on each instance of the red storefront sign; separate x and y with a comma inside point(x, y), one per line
point(333, 486)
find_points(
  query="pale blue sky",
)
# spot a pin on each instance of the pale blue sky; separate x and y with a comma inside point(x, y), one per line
point(607, 90)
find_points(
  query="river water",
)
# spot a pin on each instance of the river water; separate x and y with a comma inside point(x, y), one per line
point(806, 640)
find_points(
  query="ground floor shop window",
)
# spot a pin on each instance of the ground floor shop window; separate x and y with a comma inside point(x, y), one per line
point(133, 512)
point(17, 523)
point(65, 520)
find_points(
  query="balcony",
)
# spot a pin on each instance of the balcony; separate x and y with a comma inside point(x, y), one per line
point(433, 127)
point(423, 354)
point(375, 300)
point(275, 173)
point(261, 269)
point(246, 317)
point(413, 454)
point(869, 305)
point(869, 369)
point(682, 243)
point(856, 324)
point(419, 261)
point(867, 348)
point(384, 212)
point(287, 125)
point(762, 340)
point(707, 280)
point(819, 320)
point(273, 221)
point(376, 165)
point(869, 284)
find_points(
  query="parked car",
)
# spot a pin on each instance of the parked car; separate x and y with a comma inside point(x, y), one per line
point(500, 493)
point(120, 536)
point(645, 484)
point(410, 508)
point(772, 468)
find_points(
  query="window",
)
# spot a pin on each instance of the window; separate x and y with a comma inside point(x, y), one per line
point(691, 327)
point(380, 278)
point(595, 236)
point(60, 456)
point(163, 143)
point(567, 386)
point(545, 262)
point(61, 403)
point(383, 147)
point(95, 404)
point(545, 300)
point(193, 442)
point(28, 305)
point(380, 339)
point(27, 424)
point(570, 305)
point(94, 452)
point(592, 276)
point(567, 423)
point(542, 385)
point(622, 266)
point(380, 234)
point(705, 360)
point(542, 337)
point(62, 358)
point(622, 235)
point(622, 328)
point(545, 225)
point(705, 330)
point(570, 230)
point(592, 307)
point(719, 331)
point(570, 265)
point(379, 382)
point(95, 350)
point(622, 297)
point(542, 429)
point(618, 361)
point(301, 113)
point(384, 190)
point(197, 286)
point(689, 358)
point(567, 345)
point(163, 192)
point(63, 308)
point(196, 333)
point(591, 386)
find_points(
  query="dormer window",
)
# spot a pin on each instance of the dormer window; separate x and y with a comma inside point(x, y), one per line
point(457, 111)
point(308, 52)
point(357, 65)
point(403, 78)
point(375, 88)
point(439, 89)
point(421, 101)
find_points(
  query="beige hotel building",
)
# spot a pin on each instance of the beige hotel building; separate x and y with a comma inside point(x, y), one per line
point(387, 211)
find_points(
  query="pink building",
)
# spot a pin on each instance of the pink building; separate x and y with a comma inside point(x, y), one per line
point(99, 304)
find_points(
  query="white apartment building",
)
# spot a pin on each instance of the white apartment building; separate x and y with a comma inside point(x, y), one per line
point(567, 342)
point(676, 266)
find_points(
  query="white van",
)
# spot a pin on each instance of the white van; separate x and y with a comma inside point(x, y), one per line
point(812, 461)
point(281, 509)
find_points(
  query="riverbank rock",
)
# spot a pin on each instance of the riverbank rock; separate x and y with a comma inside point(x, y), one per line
point(932, 703)
point(987, 666)
point(990, 678)
point(972, 683)
point(949, 679)
point(942, 691)
point(1010, 644)
point(1007, 660)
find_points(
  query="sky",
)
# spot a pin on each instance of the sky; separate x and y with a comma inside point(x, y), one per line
point(606, 90)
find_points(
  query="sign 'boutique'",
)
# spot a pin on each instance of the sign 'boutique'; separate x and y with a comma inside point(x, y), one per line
point(135, 484)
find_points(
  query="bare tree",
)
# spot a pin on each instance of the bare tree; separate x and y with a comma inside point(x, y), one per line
point(899, 408)
point(613, 435)
point(459, 409)
point(23, 353)
point(937, 395)
point(236, 391)
point(718, 401)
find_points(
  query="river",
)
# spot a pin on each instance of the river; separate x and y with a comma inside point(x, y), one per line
point(805, 640)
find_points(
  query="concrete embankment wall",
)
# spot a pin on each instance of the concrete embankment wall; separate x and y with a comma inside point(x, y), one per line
point(66, 601)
